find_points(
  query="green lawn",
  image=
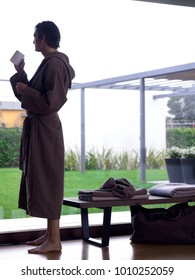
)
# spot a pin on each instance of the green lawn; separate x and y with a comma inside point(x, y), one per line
point(74, 181)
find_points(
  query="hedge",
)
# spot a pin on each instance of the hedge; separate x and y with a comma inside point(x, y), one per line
point(180, 137)
point(9, 146)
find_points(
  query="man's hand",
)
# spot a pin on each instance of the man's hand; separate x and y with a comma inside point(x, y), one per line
point(20, 87)
point(20, 68)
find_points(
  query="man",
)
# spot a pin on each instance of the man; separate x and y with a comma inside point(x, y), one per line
point(42, 146)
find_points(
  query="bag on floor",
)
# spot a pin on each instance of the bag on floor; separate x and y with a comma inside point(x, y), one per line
point(175, 225)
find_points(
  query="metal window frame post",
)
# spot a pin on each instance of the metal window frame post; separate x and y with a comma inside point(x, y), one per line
point(142, 131)
point(83, 166)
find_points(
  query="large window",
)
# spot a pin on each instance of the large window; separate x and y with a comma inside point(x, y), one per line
point(112, 117)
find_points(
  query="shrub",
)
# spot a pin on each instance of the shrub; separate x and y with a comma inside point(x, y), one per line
point(100, 160)
point(110, 160)
point(155, 159)
point(180, 137)
point(72, 160)
point(9, 146)
point(188, 152)
point(174, 152)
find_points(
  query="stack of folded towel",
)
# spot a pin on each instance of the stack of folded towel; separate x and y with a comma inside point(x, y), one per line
point(173, 190)
point(114, 189)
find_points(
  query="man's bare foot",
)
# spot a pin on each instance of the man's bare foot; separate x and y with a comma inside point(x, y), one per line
point(46, 247)
point(38, 241)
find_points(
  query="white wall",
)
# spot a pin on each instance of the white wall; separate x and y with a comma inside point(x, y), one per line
point(156, 112)
point(113, 120)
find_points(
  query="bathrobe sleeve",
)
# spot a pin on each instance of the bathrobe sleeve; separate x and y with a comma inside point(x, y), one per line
point(46, 92)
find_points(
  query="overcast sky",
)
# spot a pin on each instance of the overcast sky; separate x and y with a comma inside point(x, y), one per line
point(103, 38)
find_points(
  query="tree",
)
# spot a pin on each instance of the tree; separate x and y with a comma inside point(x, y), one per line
point(182, 108)
point(189, 107)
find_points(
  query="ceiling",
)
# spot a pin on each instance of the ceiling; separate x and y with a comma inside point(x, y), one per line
point(187, 3)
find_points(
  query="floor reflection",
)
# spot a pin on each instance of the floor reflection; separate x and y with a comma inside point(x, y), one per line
point(88, 249)
point(51, 256)
point(120, 248)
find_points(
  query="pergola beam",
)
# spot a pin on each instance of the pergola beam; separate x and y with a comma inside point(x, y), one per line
point(175, 94)
point(147, 74)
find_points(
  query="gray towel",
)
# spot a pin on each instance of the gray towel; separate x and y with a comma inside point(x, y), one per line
point(173, 190)
point(111, 188)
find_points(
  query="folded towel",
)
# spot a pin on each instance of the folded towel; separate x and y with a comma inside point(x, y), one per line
point(98, 198)
point(110, 198)
point(140, 196)
point(120, 188)
point(123, 182)
point(97, 193)
point(124, 188)
point(173, 190)
point(122, 191)
point(109, 185)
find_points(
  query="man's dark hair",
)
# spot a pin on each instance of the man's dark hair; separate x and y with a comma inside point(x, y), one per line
point(51, 33)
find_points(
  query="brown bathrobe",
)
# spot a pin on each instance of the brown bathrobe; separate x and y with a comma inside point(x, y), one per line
point(42, 145)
